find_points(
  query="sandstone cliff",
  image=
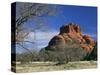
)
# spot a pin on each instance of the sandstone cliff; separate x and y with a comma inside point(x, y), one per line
point(69, 33)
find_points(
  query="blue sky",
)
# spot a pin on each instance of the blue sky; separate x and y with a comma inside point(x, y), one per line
point(85, 17)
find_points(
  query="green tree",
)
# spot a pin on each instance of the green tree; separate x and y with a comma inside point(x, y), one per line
point(92, 55)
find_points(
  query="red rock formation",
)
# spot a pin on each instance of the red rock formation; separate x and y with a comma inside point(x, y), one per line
point(71, 32)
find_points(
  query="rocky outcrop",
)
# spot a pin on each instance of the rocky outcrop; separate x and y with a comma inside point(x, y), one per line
point(71, 33)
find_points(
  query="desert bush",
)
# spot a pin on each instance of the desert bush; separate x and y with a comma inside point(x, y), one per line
point(26, 57)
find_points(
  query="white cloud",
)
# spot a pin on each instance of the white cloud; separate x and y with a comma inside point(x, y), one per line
point(41, 38)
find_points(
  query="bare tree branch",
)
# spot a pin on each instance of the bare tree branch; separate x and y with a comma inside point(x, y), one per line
point(25, 48)
point(25, 12)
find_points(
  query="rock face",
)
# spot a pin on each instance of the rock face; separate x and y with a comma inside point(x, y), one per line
point(69, 33)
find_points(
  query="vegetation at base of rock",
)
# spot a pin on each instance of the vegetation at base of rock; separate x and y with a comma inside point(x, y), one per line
point(92, 55)
point(63, 54)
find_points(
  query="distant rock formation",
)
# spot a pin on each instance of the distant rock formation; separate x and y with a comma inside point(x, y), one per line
point(71, 32)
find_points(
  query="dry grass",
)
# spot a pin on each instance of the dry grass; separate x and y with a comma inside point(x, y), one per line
point(50, 66)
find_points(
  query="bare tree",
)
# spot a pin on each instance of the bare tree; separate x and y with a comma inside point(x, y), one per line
point(25, 12)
